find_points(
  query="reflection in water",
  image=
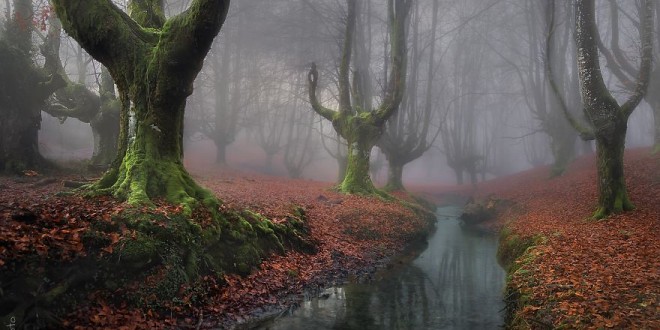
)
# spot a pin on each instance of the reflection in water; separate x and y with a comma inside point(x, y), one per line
point(455, 283)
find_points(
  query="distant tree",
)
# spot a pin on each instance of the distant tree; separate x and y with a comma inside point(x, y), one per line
point(363, 127)
point(609, 119)
point(24, 88)
point(458, 132)
point(153, 61)
point(76, 100)
point(228, 79)
point(407, 136)
point(620, 65)
point(336, 147)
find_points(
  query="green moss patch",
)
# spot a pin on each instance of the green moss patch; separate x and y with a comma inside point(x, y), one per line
point(145, 257)
point(516, 254)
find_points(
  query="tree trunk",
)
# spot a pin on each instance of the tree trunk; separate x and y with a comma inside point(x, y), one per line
point(220, 151)
point(613, 197)
point(459, 175)
point(563, 151)
point(106, 133)
point(473, 175)
point(656, 132)
point(152, 164)
point(23, 90)
point(394, 176)
point(608, 118)
point(357, 179)
point(342, 163)
point(154, 66)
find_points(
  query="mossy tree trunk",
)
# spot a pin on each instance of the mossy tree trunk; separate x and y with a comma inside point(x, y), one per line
point(612, 193)
point(607, 117)
point(362, 128)
point(153, 61)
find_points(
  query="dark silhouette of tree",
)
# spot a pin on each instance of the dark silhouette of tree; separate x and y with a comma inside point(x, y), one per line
point(24, 88)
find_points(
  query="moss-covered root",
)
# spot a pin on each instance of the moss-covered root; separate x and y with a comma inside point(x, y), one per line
point(139, 183)
point(621, 204)
point(515, 253)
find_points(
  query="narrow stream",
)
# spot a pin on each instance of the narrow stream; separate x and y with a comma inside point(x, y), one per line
point(455, 283)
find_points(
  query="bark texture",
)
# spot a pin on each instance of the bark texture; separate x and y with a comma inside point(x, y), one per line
point(153, 61)
point(609, 119)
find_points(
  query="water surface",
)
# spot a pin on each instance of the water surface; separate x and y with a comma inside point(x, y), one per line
point(455, 283)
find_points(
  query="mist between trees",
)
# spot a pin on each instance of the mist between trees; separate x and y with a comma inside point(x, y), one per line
point(394, 92)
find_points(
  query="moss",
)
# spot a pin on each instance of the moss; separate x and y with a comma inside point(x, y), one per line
point(516, 254)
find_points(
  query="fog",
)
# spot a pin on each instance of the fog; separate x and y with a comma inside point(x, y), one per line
point(476, 98)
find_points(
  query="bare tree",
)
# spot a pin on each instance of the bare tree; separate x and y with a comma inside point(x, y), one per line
point(609, 119)
point(363, 127)
point(407, 135)
point(620, 65)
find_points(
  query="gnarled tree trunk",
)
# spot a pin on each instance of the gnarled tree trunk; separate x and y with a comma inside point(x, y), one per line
point(153, 61)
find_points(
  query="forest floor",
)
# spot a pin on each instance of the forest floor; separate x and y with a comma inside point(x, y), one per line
point(355, 236)
point(583, 273)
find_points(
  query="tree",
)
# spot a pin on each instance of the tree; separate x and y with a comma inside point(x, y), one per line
point(625, 71)
point(24, 89)
point(75, 100)
point(459, 130)
point(406, 136)
point(609, 119)
point(153, 61)
point(363, 127)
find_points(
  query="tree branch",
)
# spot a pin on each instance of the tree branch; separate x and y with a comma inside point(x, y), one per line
point(104, 30)
point(585, 133)
point(646, 35)
point(312, 80)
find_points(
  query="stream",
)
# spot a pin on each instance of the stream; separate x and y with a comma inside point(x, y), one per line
point(454, 283)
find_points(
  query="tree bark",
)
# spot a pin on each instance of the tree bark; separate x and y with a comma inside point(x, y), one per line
point(154, 70)
point(459, 175)
point(394, 176)
point(655, 107)
point(607, 117)
point(357, 179)
point(612, 193)
point(220, 153)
